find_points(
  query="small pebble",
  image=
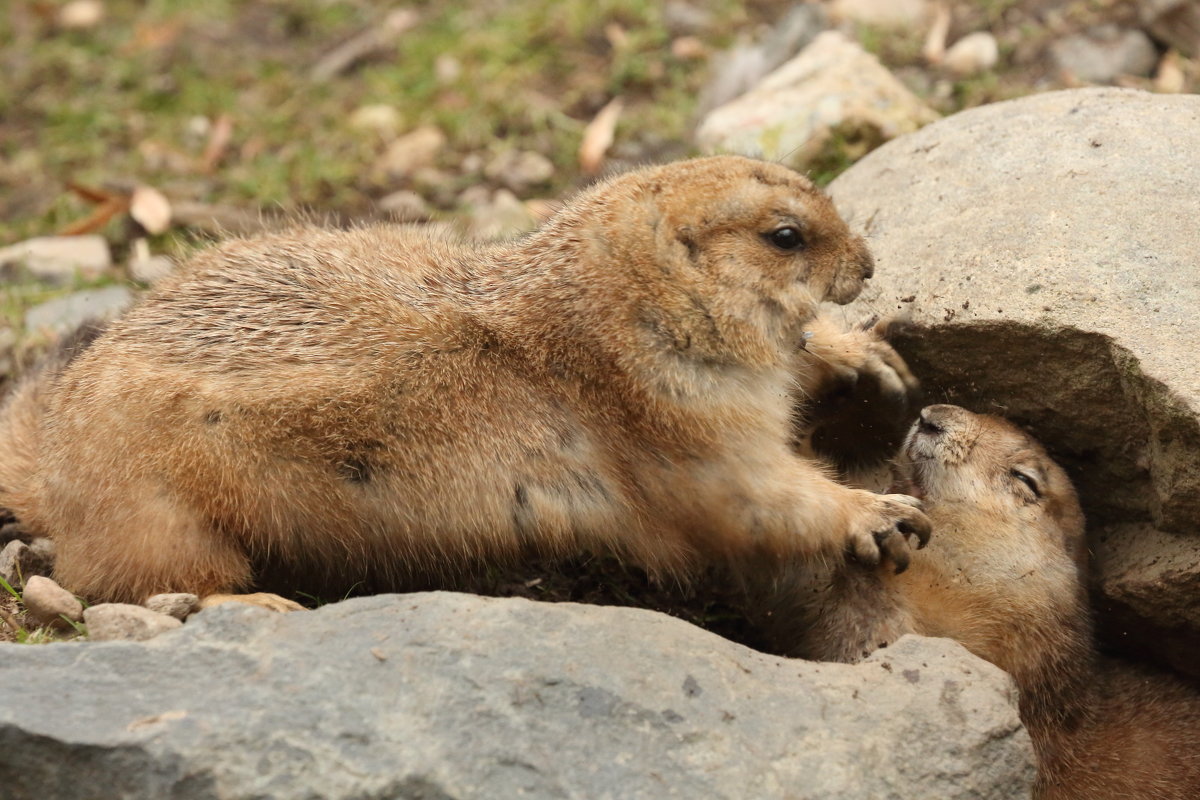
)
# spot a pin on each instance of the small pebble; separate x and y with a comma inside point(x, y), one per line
point(520, 169)
point(47, 602)
point(81, 14)
point(974, 53)
point(19, 562)
point(405, 206)
point(176, 604)
point(124, 622)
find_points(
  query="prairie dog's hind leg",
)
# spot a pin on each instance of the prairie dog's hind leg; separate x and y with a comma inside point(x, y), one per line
point(145, 544)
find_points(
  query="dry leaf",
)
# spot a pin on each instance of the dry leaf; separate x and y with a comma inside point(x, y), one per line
point(688, 48)
point(618, 39)
point(935, 40)
point(218, 142)
point(99, 217)
point(150, 209)
point(153, 36)
point(598, 137)
point(91, 193)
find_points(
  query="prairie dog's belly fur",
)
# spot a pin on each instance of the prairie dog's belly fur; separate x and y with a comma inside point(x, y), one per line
point(620, 380)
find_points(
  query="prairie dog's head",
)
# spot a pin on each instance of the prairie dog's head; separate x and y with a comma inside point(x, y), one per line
point(719, 248)
point(755, 222)
point(955, 458)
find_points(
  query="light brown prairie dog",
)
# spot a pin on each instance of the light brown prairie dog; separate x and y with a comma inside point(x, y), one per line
point(363, 404)
point(1004, 576)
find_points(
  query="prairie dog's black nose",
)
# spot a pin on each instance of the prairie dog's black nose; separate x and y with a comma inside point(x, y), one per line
point(868, 264)
point(926, 423)
point(937, 419)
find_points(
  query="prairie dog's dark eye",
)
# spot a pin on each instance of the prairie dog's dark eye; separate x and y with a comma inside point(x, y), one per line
point(1028, 480)
point(786, 238)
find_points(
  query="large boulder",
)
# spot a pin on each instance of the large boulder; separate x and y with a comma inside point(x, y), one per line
point(1048, 251)
point(454, 696)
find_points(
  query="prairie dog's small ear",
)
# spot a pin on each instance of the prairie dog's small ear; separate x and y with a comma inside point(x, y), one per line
point(686, 236)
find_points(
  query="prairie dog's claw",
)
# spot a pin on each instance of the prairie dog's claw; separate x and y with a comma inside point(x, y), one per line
point(882, 532)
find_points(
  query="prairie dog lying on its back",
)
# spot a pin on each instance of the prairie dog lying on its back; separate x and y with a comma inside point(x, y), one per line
point(1005, 577)
point(376, 401)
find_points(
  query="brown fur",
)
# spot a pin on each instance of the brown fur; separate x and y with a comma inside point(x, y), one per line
point(373, 402)
point(1004, 576)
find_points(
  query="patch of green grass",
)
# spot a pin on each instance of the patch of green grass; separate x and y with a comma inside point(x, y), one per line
point(42, 634)
point(122, 102)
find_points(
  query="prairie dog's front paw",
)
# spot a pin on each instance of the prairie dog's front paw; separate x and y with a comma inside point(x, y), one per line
point(267, 600)
point(882, 529)
point(850, 354)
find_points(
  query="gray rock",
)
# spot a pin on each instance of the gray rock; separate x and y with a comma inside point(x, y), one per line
point(454, 696)
point(176, 604)
point(499, 215)
point(59, 258)
point(1046, 251)
point(124, 622)
point(520, 170)
point(19, 562)
point(411, 152)
point(1102, 53)
point(737, 70)
point(405, 206)
point(65, 314)
point(47, 602)
point(833, 95)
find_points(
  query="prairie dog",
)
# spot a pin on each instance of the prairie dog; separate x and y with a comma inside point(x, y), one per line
point(1004, 576)
point(376, 401)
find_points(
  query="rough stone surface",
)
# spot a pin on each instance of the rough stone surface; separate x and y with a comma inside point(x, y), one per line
point(124, 622)
point(65, 314)
point(1101, 54)
point(1046, 251)
point(47, 602)
point(59, 258)
point(455, 696)
point(175, 604)
point(834, 94)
